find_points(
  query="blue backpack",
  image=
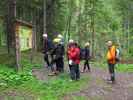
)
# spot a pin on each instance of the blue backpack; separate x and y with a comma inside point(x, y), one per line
point(82, 53)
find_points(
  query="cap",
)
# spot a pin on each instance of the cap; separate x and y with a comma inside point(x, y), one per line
point(45, 35)
point(71, 41)
point(87, 44)
point(56, 40)
point(60, 36)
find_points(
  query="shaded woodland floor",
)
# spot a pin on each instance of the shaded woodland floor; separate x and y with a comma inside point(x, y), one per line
point(98, 88)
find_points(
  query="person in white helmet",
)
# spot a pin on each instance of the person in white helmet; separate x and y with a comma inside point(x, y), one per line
point(47, 46)
point(58, 55)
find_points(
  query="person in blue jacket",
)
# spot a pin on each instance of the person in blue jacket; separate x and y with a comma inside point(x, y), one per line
point(47, 47)
point(87, 57)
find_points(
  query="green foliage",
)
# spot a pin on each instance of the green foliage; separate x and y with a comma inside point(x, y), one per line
point(119, 67)
point(53, 89)
point(124, 67)
point(79, 98)
point(112, 20)
point(9, 77)
point(28, 66)
point(131, 51)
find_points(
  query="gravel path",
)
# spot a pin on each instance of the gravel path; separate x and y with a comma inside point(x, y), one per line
point(99, 89)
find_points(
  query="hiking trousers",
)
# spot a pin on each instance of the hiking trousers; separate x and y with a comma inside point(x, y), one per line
point(74, 72)
point(111, 68)
point(86, 64)
point(46, 59)
point(60, 64)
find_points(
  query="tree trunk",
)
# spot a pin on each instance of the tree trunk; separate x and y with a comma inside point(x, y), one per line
point(69, 20)
point(50, 15)
point(93, 28)
point(13, 33)
point(44, 16)
point(128, 36)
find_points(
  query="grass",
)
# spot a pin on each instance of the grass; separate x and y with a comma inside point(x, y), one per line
point(8, 59)
point(119, 67)
point(23, 85)
point(79, 98)
point(124, 68)
point(54, 89)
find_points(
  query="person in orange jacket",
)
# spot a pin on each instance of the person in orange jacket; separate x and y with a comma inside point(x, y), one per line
point(111, 59)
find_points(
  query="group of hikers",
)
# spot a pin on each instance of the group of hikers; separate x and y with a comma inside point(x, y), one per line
point(54, 52)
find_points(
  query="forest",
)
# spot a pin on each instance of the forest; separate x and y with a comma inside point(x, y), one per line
point(23, 69)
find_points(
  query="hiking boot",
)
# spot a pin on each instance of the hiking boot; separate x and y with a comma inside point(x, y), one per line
point(108, 79)
point(57, 72)
point(89, 70)
point(77, 79)
point(51, 74)
point(70, 80)
point(82, 71)
point(113, 82)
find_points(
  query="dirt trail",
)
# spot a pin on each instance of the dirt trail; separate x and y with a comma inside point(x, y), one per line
point(40, 74)
point(99, 89)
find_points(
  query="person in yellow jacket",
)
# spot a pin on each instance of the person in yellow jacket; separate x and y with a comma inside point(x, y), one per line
point(111, 59)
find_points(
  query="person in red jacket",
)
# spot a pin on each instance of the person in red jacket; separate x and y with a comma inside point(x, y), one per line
point(74, 61)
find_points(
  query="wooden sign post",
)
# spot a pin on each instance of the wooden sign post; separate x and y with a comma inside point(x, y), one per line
point(17, 45)
point(23, 40)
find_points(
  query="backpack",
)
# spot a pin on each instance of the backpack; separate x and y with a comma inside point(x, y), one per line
point(82, 53)
point(117, 55)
